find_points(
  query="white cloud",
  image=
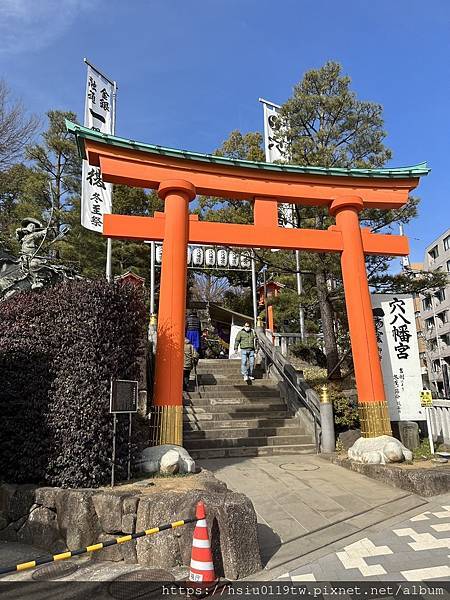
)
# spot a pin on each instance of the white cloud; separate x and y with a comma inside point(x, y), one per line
point(29, 25)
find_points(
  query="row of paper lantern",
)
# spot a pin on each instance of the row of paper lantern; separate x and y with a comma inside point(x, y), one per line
point(210, 257)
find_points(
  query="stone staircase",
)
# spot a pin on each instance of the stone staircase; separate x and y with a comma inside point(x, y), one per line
point(228, 417)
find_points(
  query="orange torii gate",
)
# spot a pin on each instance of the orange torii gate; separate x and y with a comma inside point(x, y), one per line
point(179, 176)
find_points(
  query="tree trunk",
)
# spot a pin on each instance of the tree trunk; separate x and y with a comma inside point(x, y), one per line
point(326, 315)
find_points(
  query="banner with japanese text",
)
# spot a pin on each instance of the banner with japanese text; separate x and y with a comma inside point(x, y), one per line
point(396, 331)
point(99, 116)
point(275, 151)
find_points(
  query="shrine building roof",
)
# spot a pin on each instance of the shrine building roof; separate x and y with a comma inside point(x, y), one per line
point(84, 133)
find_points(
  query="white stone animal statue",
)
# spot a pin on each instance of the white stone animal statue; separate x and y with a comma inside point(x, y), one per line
point(379, 450)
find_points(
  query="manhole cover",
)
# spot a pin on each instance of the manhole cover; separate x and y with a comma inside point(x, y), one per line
point(54, 571)
point(295, 467)
point(139, 584)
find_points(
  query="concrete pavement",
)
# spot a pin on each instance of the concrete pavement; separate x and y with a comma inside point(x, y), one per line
point(311, 512)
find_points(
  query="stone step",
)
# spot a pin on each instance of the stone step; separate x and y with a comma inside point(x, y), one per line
point(218, 414)
point(231, 366)
point(249, 392)
point(205, 425)
point(219, 382)
point(245, 433)
point(257, 403)
point(204, 453)
point(270, 440)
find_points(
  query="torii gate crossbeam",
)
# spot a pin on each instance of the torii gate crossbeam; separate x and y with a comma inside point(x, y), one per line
point(179, 176)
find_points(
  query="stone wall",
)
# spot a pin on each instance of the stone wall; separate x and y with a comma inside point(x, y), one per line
point(57, 519)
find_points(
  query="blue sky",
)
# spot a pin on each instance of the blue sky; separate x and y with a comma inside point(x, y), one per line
point(191, 71)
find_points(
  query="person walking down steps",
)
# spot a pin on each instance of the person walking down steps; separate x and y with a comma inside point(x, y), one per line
point(247, 340)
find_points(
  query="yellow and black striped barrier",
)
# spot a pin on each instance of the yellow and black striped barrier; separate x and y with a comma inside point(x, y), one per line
point(120, 540)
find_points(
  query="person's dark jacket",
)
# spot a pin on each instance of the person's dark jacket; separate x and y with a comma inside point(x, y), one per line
point(247, 340)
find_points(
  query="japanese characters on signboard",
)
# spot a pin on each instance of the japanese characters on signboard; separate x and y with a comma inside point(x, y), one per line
point(98, 115)
point(275, 150)
point(395, 327)
point(426, 399)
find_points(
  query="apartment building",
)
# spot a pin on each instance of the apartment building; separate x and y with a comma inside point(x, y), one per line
point(435, 314)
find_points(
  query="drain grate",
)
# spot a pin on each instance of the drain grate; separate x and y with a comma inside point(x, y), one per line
point(295, 467)
point(143, 583)
point(54, 571)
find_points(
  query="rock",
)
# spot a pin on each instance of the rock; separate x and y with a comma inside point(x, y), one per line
point(128, 552)
point(150, 459)
point(440, 460)
point(112, 553)
point(40, 529)
point(77, 518)
point(7, 491)
point(160, 550)
point(372, 458)
point(409, 434)
point(46, 496)
point(109, 511)
point(393, 452)
point(9, 534)
point(349, 437)
point(207, 480)
point(129, 523)
point(168, 464)
point(379, 450)
point(129, 505)
point(21, 501)
point(232, 527)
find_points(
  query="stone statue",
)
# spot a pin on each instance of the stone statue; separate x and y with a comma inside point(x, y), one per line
point(30, 270)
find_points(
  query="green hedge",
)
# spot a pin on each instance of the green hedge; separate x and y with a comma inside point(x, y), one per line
point(59, 349)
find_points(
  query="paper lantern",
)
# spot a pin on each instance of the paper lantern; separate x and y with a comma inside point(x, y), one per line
point(158, 254)
point(245, 261)
point(210, 257)
point(233, 259)
point(197, 257)
point(222, 257)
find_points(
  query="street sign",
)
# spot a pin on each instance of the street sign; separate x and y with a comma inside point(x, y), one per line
point(426, 398)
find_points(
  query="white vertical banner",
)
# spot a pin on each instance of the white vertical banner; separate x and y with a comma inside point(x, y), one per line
point(275, 150)
point(395, 326)
point(98, 115)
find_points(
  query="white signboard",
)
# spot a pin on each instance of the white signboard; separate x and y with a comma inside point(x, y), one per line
point(274, 152)
point(99, 116)
point(395, 325)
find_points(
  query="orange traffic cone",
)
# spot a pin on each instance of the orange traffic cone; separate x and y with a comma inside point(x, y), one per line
point(202, 566)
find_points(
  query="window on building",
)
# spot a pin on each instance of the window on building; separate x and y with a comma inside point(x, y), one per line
point(426, 303)
point(433, 253)
point(442, 317)
point(448, 266)
point(445, 339)
point(440, 295)
point(433, 345)
point(447, 243)
point(436, 366)
point(429, 323)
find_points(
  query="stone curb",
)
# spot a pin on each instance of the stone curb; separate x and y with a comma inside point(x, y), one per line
point(423, 482)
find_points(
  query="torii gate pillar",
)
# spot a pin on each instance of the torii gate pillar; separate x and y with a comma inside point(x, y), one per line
point(168, 388)
point(372, 405)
